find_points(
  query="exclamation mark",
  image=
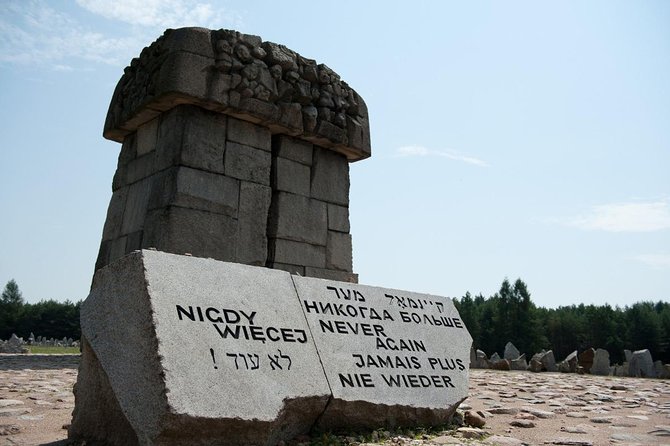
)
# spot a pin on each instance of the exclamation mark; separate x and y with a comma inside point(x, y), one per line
point(211, 351)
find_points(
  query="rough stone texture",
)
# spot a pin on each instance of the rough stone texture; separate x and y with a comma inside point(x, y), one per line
point(511, 352)
point(299, 218)
point(202, 115)
point(519, 363)
point(390, 366)
point(641, 364)
point(241, 76)
point(330, 177)
point(171, 375)
point(586, 359)
point(569, 364)
point(601, 363)
point(181, 350)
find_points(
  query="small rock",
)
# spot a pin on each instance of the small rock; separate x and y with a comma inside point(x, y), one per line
point(7, 403)
point(570, 442)
point(601, 420)
point(471, 432)
point(538, 413)
point(576, 415)
point(504, 410)
point(474, 420)
point(10, 412)
point(522, 423)
point(500, 440)
point(573, 429)
point(9, 429)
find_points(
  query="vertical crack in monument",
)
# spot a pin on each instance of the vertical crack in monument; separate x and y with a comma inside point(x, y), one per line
point(237, 150)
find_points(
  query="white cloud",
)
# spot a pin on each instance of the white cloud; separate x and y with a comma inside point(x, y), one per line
point(159, 13)
point(33, 32)
point(656, 261)
point(414, 150)
point(625, 217)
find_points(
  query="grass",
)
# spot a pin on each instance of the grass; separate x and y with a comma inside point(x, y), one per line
point(49, 350)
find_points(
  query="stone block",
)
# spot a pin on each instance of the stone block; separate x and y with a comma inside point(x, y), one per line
point(338, 251)
point(290, 176)
point(404, 364)
point(252, 244)
point(200, 233)
point(117, 248)
point(338, 218)
point(358, 137)
point(261, 111)
point(140, 168)
point(247, 163)
point(114, 220)
point(293, 149)
point(290, 117)
point(296, 253)
point(103, 254)
point(128, 149)
point(601, 363)
point(191, 136)
point(293, 269)
point(249, 134)
point(147, 135)
point(134, 241)
point(180, 75)
point(511, 352)
point(182, 350)
point(330, 274)
point(192, 40)
point(196, 189)
point(641, 364)
point(298, 218)
point(585, 359)
point(330, 177)
point(136, 206)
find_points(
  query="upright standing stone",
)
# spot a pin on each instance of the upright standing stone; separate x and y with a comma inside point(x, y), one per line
point(511, 352)
point(641, 364)
point(586, 359)
point(601, 363)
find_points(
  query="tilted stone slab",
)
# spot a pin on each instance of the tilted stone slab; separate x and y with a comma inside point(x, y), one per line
point(198, 351)
point(391, 357)
point(179, 350)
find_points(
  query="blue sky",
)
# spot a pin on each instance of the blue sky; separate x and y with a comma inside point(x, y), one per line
point(510, 139)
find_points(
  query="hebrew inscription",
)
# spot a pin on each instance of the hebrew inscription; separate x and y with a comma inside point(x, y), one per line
point(387, 346)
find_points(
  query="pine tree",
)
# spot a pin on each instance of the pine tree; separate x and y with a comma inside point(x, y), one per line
point(11, 304)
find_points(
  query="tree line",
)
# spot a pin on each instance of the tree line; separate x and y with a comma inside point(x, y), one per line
point(510, 315)
point(47, 318)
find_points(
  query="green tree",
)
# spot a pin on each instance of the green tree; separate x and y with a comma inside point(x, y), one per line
point(11, 305)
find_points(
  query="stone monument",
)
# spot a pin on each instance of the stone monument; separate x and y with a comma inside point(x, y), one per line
point(234, 149)
point(237, 150)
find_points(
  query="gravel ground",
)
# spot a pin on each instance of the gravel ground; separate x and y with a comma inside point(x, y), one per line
point(515, 408)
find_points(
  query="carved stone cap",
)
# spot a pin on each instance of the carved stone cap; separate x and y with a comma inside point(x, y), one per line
point(242, 76)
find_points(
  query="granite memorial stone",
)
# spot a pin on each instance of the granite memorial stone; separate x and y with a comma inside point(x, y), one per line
point(390, 356)
point(194, 351)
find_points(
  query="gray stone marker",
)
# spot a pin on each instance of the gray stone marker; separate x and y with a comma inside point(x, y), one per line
point(195, 351)
point(185, 350)
point(390, 356)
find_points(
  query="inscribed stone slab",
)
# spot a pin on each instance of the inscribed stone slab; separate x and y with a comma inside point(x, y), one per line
point(390, 356)
point(217, 347)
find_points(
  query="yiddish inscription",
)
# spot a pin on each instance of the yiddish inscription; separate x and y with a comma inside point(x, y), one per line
point(387, 346)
